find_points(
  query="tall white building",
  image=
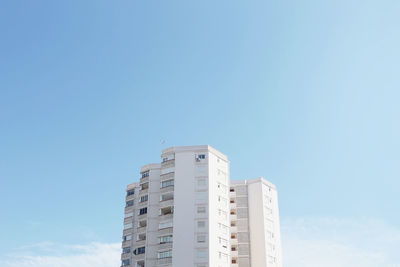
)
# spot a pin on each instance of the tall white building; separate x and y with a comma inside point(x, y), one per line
point(186, 212)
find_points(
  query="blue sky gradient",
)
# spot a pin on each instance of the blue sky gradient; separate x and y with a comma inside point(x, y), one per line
point(304, 93)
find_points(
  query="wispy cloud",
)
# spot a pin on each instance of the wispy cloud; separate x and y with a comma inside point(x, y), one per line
point(329, 242)
point(48, 254)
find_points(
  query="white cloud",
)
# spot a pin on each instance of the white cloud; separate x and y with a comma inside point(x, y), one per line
point(316, 242)
point(307, 242)
point(48, 254)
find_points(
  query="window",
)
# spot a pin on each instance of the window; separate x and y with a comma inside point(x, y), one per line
point(201, 224)
point(144, 186)
point(129, 203)
point(126, 238)
point(223, 200)
point(167, 183)
point(126, 250)
point(164, 159)
point(201, 239)
point(223, 214)
point(141, 237)
point(223, 228)
point(201, 156)
point(201, 195)
point(140, 250)
point(142, 211)
point(165, 254)
point(201, 182)
point(223, 257)
point(166, 239)
point(126, 262)
point(130, 192)
point(166, 210)
point(140, 264)
point(201, 254)
point(144, 198)
point(163, 225)
point(145, 174)
point(142, 223)
point(201, 209)
point(223, 242)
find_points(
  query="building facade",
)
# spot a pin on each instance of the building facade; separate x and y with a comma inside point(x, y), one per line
point(185, 211)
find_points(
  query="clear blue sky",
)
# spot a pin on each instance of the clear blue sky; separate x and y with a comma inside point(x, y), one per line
point(305, 93)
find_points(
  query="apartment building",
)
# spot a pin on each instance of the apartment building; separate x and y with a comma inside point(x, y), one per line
point(185, 211)
point(255, 228)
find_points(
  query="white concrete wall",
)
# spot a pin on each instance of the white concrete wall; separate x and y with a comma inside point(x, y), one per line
point(219, 256)
point(264, 224)
point(152, 215)
point(184, 200)
point(256, 225)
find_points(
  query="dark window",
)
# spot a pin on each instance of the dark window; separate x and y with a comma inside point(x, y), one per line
point(145, 174)
point(130, 192)
point(144, 198)
point(126, 250)
point(202, 156)
point(129, 203)
point(142, 211)
point(126, 262)
point(138, 251)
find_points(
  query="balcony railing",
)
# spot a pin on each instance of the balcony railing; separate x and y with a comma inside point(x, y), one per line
point(165, 231)
point(167, 176)
point(164, 261)
point(168, 164)
point(167, 189)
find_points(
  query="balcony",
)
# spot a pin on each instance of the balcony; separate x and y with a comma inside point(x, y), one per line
point(166, 216)
point(126, 243)
point(140, 242)
point(127, 231)
point(129, 209)
point(130, 197)
point(233, 217)
point(166, 203)
point(144, 179)
point(234, 229)
point(234, 254)
point(165, 231)
point(141, 229)
point(164, 261)
point(139, 257)
point(167, 176)
point(234, 240)
point(168, 164)
point(167, 189)
point(144, 188)
point(165, 246)
point(232, 205)
point(125, 256)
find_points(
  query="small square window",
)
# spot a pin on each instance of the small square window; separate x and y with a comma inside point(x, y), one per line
point(201, 182)
point(201, 209)
point(201, 239)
